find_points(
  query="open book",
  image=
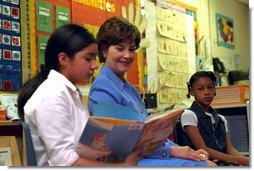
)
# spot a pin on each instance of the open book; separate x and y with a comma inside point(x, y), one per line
point(117, 136)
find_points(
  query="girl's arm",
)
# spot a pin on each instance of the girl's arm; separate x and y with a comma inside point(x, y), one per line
point(230, 148)
point(243, 160)
point(199, 143)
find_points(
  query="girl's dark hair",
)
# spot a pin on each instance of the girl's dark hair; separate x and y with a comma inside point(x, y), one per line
point(116, 30)
point(200, 74)
point(69, 39)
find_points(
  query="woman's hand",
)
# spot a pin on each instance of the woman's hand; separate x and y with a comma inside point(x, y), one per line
point(188, 153)
point(203, 154)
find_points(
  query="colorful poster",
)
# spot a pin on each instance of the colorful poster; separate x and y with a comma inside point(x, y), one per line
point(44, 16)
point(94, 13)
point(62, 16)
point(97, 11)
point(10, 46)
point(225, 31)
point(42, 43)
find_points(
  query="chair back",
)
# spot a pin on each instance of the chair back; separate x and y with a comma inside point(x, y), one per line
point(30, 154)
point(178, 134)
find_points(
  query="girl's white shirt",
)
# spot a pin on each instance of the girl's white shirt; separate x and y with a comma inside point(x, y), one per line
point(56, 116)
point(188, 117)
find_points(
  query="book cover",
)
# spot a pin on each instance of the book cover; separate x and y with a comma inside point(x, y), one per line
point(106, 138)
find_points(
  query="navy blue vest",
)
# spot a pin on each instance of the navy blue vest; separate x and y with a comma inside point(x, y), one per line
point(213, 135)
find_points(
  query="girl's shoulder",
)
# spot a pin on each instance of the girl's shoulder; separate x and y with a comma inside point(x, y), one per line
point(188, 112)
point(188, 115)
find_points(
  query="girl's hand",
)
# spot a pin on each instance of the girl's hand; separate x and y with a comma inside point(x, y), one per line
point(93, 153)
point(243, 160)
point(132, 159)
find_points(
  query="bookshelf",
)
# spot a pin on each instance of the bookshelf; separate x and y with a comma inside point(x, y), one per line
point(11, 135)
point(237, 116)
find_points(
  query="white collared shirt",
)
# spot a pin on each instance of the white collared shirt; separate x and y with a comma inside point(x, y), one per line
point(56, 117)
point(188, 117)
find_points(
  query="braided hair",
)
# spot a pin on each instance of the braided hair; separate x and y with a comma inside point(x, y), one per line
point(200, 74)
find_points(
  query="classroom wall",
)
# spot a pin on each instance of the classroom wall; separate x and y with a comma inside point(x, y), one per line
point(252, 33)
point(234, 59)
point(238, 58)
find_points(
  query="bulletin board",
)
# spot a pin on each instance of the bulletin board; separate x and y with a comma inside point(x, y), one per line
point(39, 19)
point(10, 46)
point(94, 13)
point(169, 65)
point(43, 16)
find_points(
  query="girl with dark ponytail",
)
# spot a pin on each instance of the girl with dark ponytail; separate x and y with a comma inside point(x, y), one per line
point(52, 105)
point(29, 88)
point(69, 40)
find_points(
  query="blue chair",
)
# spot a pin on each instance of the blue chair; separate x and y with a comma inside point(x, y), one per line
point(30, 154)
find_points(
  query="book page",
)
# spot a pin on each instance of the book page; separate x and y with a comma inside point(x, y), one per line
point(157, 130)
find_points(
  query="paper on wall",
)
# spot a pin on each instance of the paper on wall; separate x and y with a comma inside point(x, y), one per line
point(151, 51)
